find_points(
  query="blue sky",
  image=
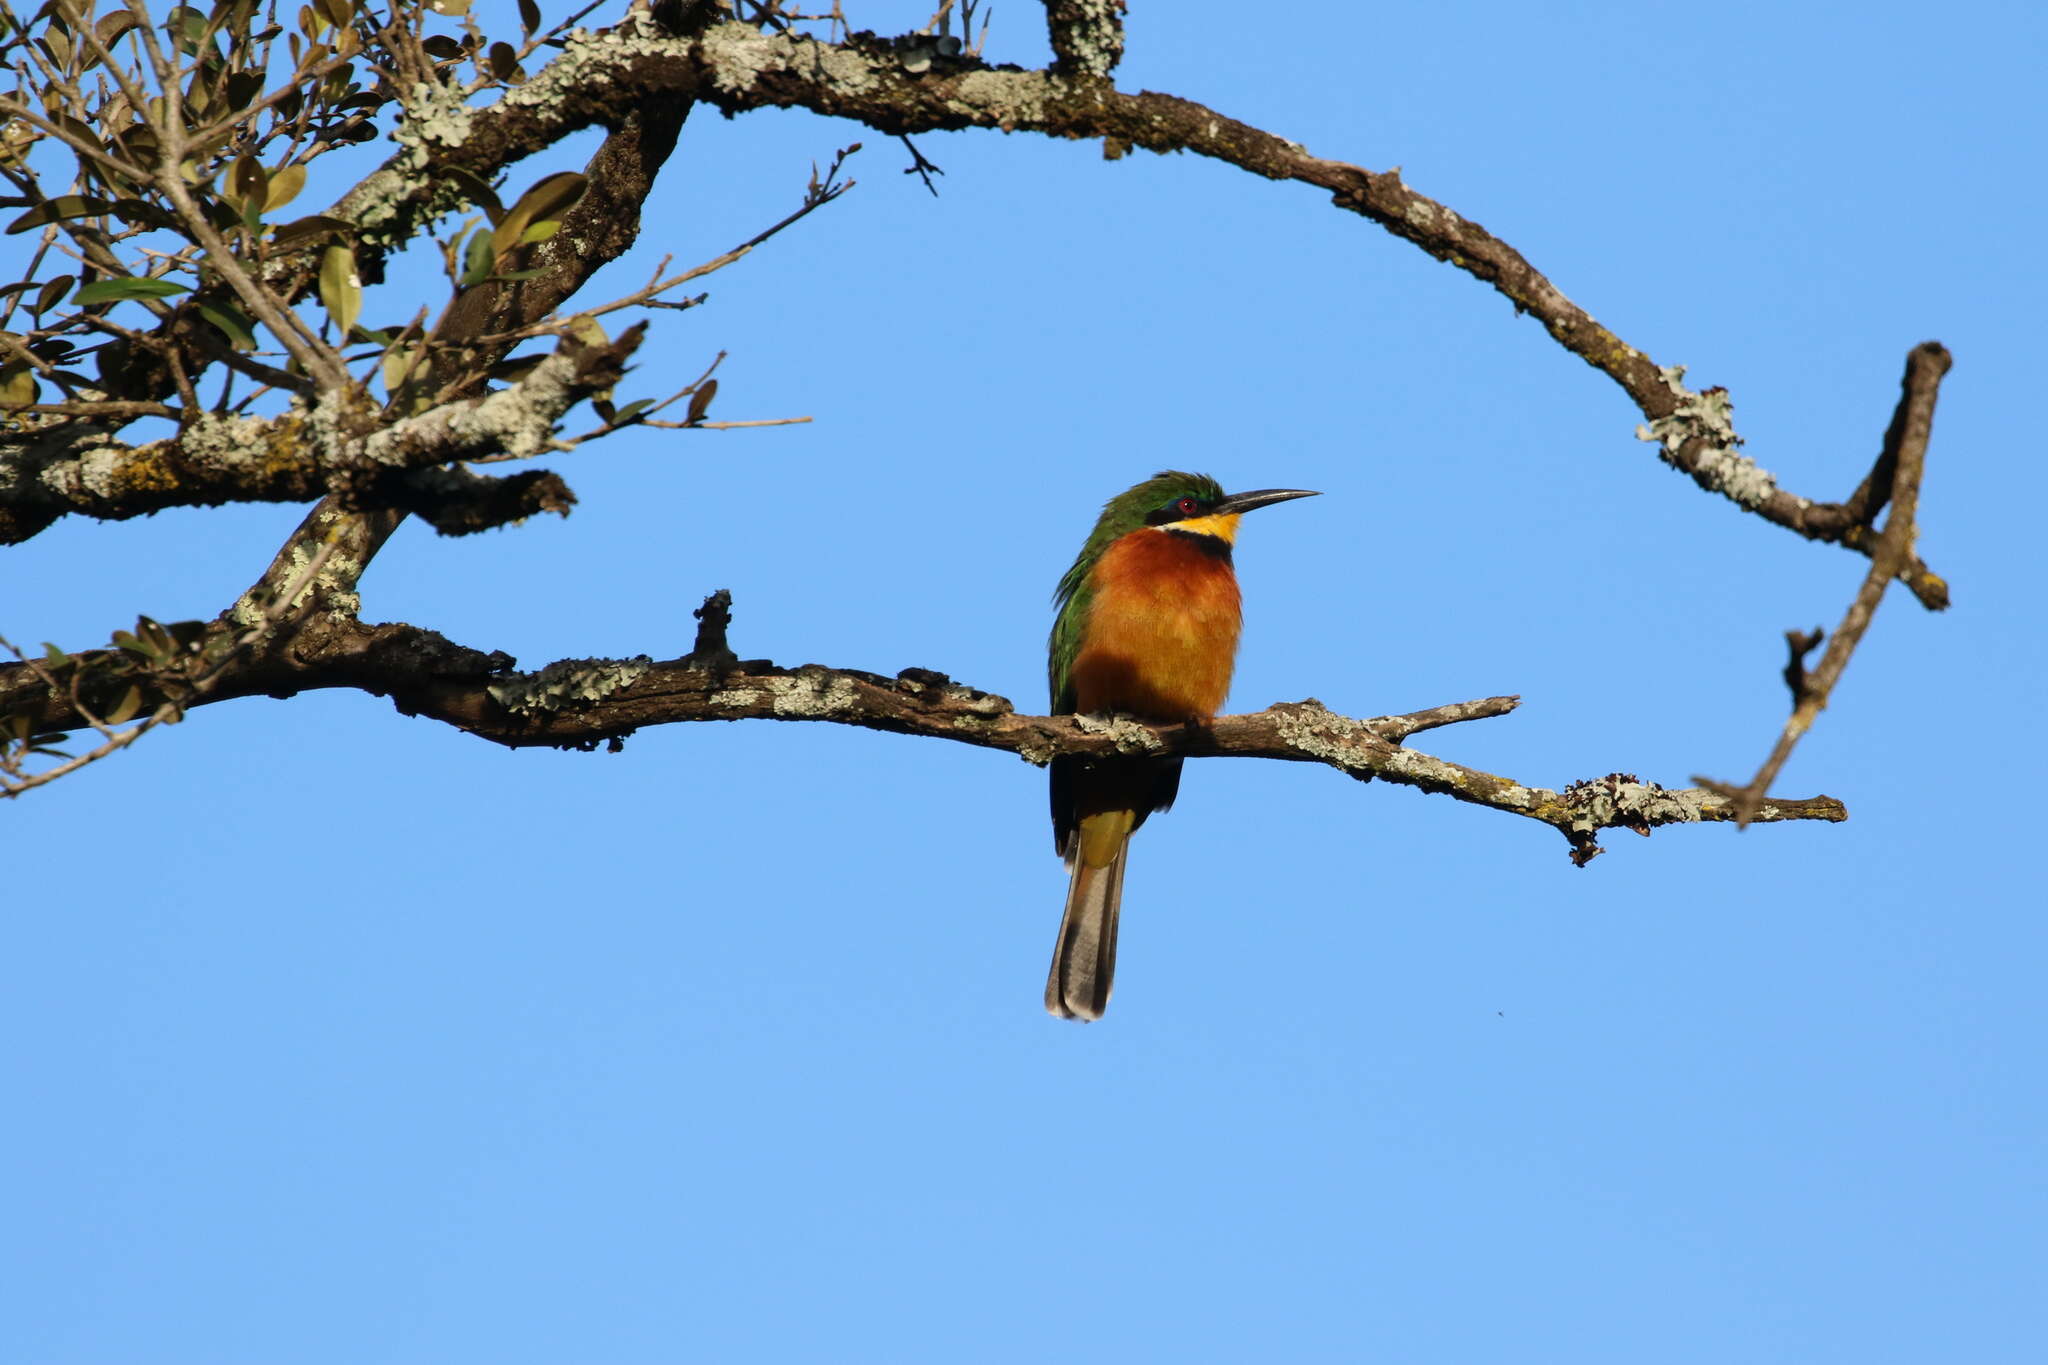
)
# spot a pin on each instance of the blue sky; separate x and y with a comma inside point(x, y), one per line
point(338, 1036)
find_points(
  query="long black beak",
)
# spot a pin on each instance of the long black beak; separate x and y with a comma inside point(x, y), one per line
point(1259, 497)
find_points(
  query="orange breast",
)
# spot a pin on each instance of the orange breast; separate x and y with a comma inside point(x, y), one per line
point(1161, 636)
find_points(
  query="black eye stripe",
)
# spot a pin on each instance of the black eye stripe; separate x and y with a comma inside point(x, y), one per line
point(1185, 506)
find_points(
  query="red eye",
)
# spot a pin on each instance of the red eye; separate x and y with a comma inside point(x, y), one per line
point(1187, 507)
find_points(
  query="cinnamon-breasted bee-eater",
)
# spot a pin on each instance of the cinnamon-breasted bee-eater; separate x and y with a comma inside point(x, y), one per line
point(1147, 628)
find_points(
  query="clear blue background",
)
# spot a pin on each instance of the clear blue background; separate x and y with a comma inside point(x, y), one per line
point(334, 1035)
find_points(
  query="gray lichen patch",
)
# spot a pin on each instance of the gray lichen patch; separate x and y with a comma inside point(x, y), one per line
point(518, 421)
point(811, 694)
point(1130, 736)
point(566, 682)
point(587, 61)
point(740, 54)
point(1662, 807)
point(213, 446)
point(1014, 99)
point(1036, 754)
point(1313, 729)
point(1094, 40)
point(1709, 418)
point(978, 705)
point(218, 443)
point(438, 118)
point(1436, 774)
point(96, 472)
point(435, 117)
point(1618, 802)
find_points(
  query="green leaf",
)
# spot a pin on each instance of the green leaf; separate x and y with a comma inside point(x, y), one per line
point(129, 287)
point(77, 127)
point(224, 216)
point(396, 362)
point(189, 27)
point(243, 88)
point(17, 385)
point(550, 198)
point(131, 702)
point(139, 144)
point(477, 259)
point(57, 210)
point(341, 292)
point(111, 27)
point(516, 369)
point(248, 182)
point(284, 187)
point(232, 323)
point(306, 231)
point(632, 410)
point(52, 293)
point(141, 211)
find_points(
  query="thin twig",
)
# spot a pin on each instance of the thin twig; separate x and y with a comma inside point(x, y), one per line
point(919, 166)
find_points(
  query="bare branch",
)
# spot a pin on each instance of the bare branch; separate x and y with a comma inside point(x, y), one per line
point(737, 68)
point(1905, 455)
point(587, 703)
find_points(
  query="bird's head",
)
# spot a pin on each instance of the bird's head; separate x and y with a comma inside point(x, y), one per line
point(1192, 504)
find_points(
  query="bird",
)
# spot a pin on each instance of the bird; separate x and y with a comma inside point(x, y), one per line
point(1146, 626)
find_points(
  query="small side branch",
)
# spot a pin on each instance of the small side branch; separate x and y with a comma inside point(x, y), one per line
point(1087, 36)
point(1904, 456)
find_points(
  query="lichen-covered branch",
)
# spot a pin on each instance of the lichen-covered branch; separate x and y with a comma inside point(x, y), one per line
point(636, 78)
point(1087, 36)
point(900, 87)
point(302, 454)
point(588, 703)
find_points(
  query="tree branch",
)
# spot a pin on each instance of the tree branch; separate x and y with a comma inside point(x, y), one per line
point(301, 454)
point(1901, 463)
point(1087, 36)
point(740, 68)
point(585, 703)
point(614, 78)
